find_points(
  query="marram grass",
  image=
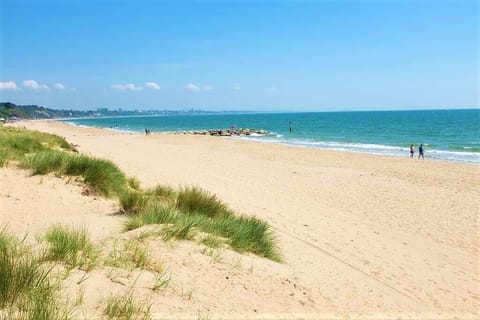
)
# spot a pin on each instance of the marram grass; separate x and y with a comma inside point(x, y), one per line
point(133, 201)
point(163, 193)
point(126, 307)
point(156, 214)
point(45, 153)
point(45, 162)
point(134, 183)
point(244, 234)
point(133, 255)
point(26, 288)
point(183, 229)
point(212, 241)
point(21, 141)
point(194, 200)
point(72, 247)
point(101, 175)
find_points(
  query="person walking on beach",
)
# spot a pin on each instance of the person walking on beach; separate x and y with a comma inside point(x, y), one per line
point(420, 152)
point(412, 150)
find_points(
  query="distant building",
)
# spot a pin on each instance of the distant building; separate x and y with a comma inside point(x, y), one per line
point(13, 118)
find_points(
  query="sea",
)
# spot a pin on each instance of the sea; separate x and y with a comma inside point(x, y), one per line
point(451, 135)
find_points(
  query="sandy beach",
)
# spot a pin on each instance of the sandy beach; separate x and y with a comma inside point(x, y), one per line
point(362, 236)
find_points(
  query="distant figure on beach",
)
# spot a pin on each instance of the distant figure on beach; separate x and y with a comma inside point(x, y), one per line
point(146, 132)
point(290, 126)
point(412, 150)
point(420, 152)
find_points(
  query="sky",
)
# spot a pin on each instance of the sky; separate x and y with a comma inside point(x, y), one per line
point(240, 55)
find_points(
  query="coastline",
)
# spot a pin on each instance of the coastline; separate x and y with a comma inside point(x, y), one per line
point(387, 147)
point(370, 235)
point(118, 131)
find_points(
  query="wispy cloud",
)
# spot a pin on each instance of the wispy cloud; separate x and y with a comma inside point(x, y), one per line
point(152, 85)
point(34, 85)
point(59, 86)
point(8, 85)
point(192, 87)
point(126, 87)
point(195, 87)
point(236, 88)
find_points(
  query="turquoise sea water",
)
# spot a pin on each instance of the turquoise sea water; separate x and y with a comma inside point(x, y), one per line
point(446, 134)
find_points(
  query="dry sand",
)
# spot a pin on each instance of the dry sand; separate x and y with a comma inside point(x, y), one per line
point(362, 236)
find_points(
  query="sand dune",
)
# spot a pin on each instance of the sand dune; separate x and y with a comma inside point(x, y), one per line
point(364, 236)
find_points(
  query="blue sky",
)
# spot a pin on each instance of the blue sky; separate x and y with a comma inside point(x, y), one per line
point(240, 55)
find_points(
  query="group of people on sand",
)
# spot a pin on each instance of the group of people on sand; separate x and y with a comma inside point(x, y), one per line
point(421, 151)
point(147, 132)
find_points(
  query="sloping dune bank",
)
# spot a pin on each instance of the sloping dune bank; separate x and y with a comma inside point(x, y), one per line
point(364, 236)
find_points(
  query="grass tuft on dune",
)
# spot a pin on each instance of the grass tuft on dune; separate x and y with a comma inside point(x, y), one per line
point(157, 214)
point(132, 201)
point(73, 247)
point(45, 153)
point(126, 307)
point(193, 200)
point(26, 290)
point(243, 234)
point(16, 143)
point(101, 175)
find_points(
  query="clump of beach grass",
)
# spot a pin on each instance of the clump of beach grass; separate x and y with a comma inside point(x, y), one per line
point(157, 214)
point(126, 307)
point(16, 143)
point(132, 201)
point(45, 161)
point(248, 234)
point(243, 234)
point(101, 175)
point(134, 183)
point(163, 193)
point(194, 200)
point(212, 241)
point(72, 247)
point(45, 153)
point(133, 255)
point(183, 229)
point(26, 289)
point(104, 176)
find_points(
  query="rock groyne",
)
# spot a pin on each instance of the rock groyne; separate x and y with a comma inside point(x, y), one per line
point(226, 132)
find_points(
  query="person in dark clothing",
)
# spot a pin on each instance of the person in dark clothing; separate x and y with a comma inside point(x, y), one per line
point(412, 150)
point(420, 152)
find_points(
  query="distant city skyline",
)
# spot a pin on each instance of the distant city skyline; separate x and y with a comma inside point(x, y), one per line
point(252, 56)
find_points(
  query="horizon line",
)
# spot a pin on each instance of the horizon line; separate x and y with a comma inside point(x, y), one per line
point(347, 109)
